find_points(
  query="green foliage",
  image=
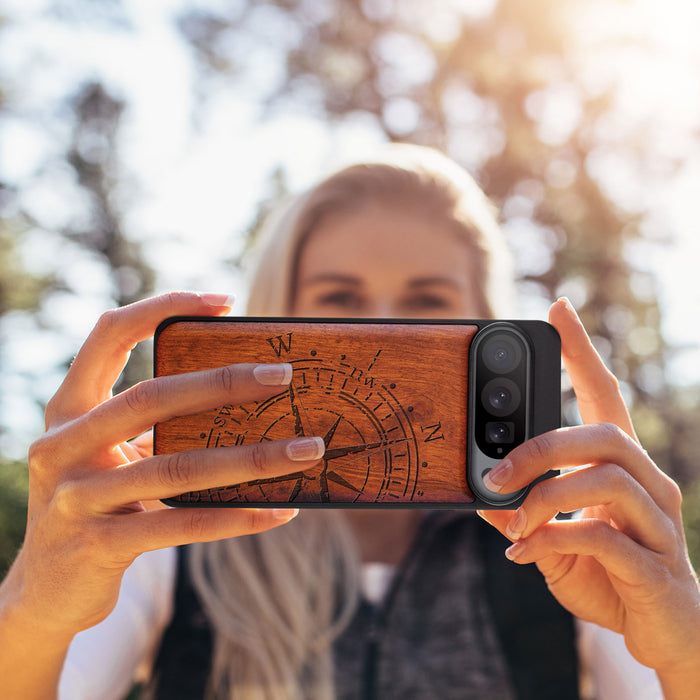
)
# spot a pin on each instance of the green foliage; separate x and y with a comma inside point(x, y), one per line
point(18, 289)
point(691, 521)
point(14, 483)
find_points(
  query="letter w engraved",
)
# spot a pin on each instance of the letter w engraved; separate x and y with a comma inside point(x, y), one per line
point(278, 344)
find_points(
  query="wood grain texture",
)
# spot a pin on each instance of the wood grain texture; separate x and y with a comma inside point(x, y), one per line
point(390, 400)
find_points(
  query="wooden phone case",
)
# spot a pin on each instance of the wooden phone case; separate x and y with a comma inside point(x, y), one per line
point(389, 398)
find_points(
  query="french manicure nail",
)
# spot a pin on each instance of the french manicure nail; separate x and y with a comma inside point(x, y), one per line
point(285, 514)
point(218, 299)
point(273, 375)
point(499, 476)
point(515, 550)
point(304, 449)
point(517, 525)
point(569, 306)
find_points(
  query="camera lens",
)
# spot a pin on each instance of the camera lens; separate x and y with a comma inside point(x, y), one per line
point(499, 432)
point(502, 353)
point(500, 396)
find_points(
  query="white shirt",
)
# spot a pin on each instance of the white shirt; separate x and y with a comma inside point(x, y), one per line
point(105, 661)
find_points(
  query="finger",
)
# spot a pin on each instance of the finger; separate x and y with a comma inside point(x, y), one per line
point(130, 452)
point(157, 400)
point(583, 444)
point(596, 388)
point(143, 444)
point(165, 476)
point(614, 550)
point(156, 529)
point(105, 352)
point(138, 448)
point(606, 486)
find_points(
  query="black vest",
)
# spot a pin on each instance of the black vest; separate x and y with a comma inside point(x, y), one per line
point(534, 635)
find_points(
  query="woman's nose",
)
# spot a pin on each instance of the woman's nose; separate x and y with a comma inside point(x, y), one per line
point(383, 308)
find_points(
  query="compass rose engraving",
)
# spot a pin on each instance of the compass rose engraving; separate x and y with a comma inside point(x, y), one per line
point(371, 449)
point(313, 482)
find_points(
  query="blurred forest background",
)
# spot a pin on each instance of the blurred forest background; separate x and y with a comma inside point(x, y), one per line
point(580, 119)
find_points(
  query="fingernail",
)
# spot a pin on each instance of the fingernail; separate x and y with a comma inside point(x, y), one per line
point(285, 514)
point(273, 375)
point(516, 525)
point(515, 550)
point(304, 449)
point(498, 477)
point(218, 299)
point(569, 306)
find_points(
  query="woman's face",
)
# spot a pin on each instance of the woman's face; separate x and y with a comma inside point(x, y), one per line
point(385, 261)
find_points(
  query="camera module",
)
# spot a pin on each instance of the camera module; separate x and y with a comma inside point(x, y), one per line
point(505, 358)
point(501, 389)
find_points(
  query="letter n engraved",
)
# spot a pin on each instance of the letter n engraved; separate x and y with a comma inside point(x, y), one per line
point(278, 343)
point(432, 432)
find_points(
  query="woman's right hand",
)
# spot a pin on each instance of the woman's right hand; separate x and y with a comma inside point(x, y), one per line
point(88, 513)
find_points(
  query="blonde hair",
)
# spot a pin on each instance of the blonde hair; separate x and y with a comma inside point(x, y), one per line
point(404, 175)
point(277, 600)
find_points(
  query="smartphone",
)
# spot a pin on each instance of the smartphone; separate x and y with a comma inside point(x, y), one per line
point(414, 413)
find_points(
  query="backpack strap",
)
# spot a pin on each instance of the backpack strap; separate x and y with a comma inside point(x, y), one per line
point(536, 633)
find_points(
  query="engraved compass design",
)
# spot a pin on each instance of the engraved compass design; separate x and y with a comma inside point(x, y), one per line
point(371, 448)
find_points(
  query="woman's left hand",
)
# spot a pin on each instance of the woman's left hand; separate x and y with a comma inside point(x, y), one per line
point(623, 564)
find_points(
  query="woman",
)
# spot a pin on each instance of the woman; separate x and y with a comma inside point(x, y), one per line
point(274, 609)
